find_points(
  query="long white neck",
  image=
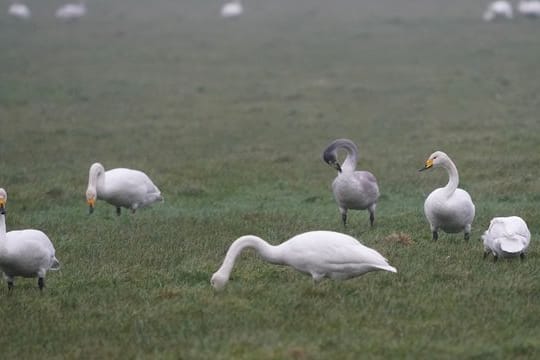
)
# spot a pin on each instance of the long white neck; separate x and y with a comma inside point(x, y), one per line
point(349, 165)
point(453, 176)
point(3, 236)
point(96, 178)
point(268, 252)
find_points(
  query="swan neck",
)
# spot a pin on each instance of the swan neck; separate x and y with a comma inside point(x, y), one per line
point(453, 178)
point(3, 236)
point(349, 165)
point(266, 251)
point(96, 178)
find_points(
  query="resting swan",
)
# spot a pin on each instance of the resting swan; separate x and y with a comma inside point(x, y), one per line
point(20, 11)
point(448, 208)
point(232, 9)
point(26, 253)
point(120, 187)
point(352, 189)
point(317, 253)
point(506, 237)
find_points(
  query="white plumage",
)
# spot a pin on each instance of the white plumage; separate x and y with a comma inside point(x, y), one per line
point(498, 10)
point(352, 189)
point(71, 11)
point(529, 8)
point(317, 253)
point(131, 189)
point(232, 9)
point(26, 253)
point(20, 11)
point(448, 208)
point(506, 237)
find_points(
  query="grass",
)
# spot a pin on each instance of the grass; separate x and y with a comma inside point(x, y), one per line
point(229, 118)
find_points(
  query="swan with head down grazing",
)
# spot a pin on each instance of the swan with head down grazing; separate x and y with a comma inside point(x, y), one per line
point(352, 189)
point(25, 253)
point(317, 253)
point(131, 189)
point(506, 237)
point(448, 208)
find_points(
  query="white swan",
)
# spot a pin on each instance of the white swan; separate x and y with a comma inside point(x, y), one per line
point(232, 9)
point(71, 11)
point(497, 10)
point(120, 187)
point(317, 253)
point(352, 189)
point(448, 208)
point(19, 10)
point(529, 8)
point(26, 253)
point(506, 237)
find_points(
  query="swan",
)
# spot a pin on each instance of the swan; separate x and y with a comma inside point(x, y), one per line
point(71, 11)
point(498, 9)
point(20, 11)
point(529, 8)
point(232, 9)
point(448, 208)
point(352, 189)
point(120, 187)
point(506, 237)
point(26, 253)
point(317, 253)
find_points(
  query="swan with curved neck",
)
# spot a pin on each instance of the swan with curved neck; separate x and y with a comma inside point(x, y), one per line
point(357, 190)
point(448, 208)
point(317, 253)
point(131, 189)
point(25, 253)
point(506, 237)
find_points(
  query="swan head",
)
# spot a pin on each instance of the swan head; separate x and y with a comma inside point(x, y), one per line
point(3, 200)
point(91, 199)
point(218, 281)
point(330, 157)
point(436, 159)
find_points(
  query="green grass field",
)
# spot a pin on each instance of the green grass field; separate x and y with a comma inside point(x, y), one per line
point(230, 118)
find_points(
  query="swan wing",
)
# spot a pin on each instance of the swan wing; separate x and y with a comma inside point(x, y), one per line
point(511, 234)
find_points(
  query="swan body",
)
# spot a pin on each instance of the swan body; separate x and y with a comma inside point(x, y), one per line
point(529, 8)
point(20, 11)
point(25, 253)
point(131, 189)
point(448, 208)
point(71, 11)
point(498, 10)
point(317, 253)
point(352, 189)
point(232, 9)
point(506, 237)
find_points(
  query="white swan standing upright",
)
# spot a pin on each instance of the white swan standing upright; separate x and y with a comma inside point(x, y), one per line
point(448, 208)
point(506, 237)
point(71, 11)
point(317, 253)
point(352, 189)
point(232, 9)
point(131, 189)
point(497, 10)
point(19, 10)
point(26, 253)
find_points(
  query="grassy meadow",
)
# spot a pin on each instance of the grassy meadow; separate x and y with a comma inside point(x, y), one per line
point(230, 118)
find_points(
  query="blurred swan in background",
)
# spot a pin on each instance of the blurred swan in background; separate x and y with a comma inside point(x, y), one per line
point(498, 10)
point(448, 208)
point(232, 9)
point(19, 10)
point(71, 11)
point(317, 253)
point(352, 189)
point(25, 253)
point(529, 8)
point(120, 187)
point(506, 237)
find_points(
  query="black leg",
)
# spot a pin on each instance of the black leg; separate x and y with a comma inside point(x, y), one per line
point(344, 218)
point(435, 236)
point(41, 283)
point(495, 257)
point(371, 219)
point(486, 254)
point(467, 236)
point(10, 285)
point(522, 256)
point(118, 210)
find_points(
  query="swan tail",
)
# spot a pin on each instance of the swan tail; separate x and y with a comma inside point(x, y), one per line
point(512, 245)
point(55, 264)
point(387, 268)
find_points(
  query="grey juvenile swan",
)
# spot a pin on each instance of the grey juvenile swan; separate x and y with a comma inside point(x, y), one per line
point(357, 190)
